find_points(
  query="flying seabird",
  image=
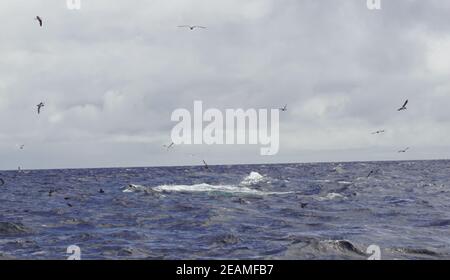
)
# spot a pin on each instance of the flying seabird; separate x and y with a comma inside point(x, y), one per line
point(284, 109)
point(169, 146)
point(404, 151)
point(379, 131)
point(206, 165)
point(403, 107)
point(40, 105)
point(191, 27)
point(370, 173)
point(39, 19)
point(22, 146)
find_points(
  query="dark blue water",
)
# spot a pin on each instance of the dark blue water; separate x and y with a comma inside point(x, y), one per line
point(292, 211)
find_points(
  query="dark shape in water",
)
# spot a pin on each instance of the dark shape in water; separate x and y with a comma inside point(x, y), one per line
point(8, 228)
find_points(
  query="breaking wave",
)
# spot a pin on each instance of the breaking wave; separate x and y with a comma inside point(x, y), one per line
point(243, 187)
point(253, 179)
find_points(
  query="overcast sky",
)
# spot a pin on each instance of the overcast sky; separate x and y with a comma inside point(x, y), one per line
point(111, 74)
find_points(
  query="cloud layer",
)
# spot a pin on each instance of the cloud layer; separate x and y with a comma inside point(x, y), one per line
point(111, 74)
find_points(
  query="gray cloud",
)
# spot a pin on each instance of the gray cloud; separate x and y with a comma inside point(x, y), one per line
point(112, 73)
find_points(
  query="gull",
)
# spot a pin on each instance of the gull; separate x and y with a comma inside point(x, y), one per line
point(40, 105)
point(284, 109)
point(39, 19)
point(403, 107)
point(192, 27)
point(169, 146)
point(206, 165)
point(379, 131)
point(372, 172)
point(404, 151)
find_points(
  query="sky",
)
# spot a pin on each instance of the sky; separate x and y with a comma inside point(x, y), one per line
point(112, 73)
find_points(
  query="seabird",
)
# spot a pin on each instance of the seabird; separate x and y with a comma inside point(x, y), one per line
point(403, 107)
point(284, 109)
point(39, 19)
point(191, 27)
point(303, 205)
point(206, 165)
point(22, 146)
point(379, 131)
point(169, 146)
point(370, 173)
point(50, 193)
point(2, 182)
point(101, 191)
point(68, 204)
point(404, 151)
point(40, 105)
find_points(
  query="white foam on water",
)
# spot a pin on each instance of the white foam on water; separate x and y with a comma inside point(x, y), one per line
point(253, 178)
point(344, 183)
point(331, 196)
point(201, 188)
point(339, 169)
point(135, 188)
point(204, 188)
point(243, 187)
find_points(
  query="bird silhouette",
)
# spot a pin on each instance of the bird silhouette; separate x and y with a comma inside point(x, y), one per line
point(284, 109)
point(39, 20)
point(205, 165)
point(39, 106)
point(403, 107)
point(191, 27)
point(169, 146)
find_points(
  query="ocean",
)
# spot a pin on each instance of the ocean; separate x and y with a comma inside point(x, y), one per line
point(279, 211)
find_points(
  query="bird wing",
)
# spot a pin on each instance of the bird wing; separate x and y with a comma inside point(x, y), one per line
point(183, 26)
point(404, 105)
point(199, 26)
